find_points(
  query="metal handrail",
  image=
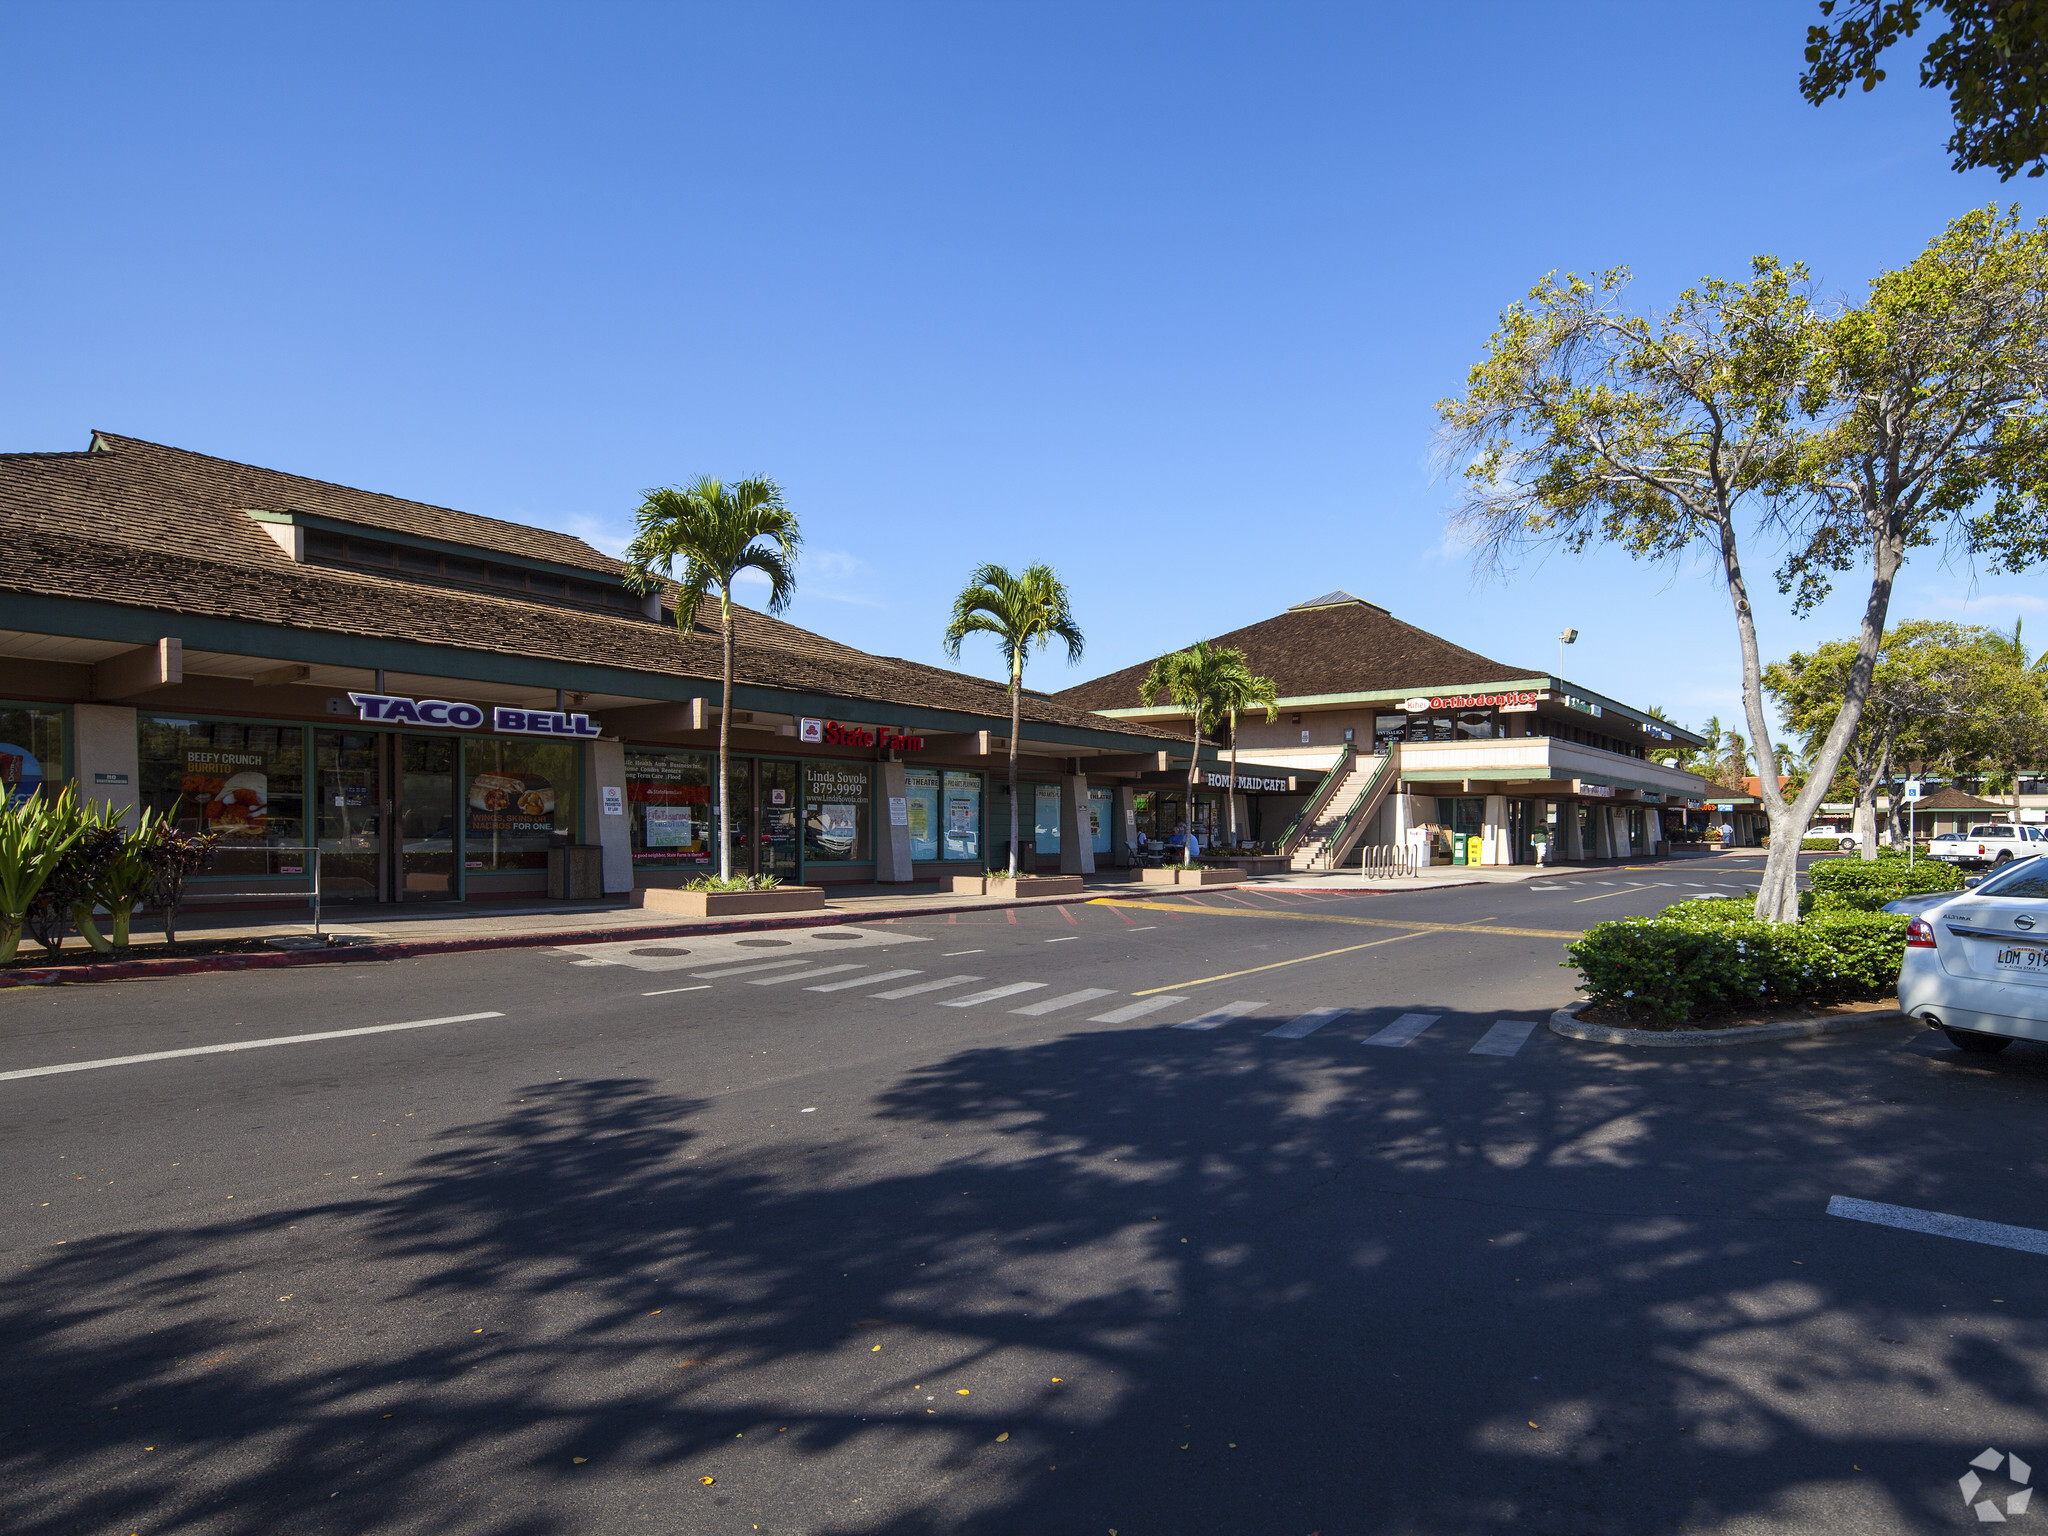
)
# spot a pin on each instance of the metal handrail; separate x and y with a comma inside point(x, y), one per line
point(1318, 798)
point(313, 849)
point(1365, 798)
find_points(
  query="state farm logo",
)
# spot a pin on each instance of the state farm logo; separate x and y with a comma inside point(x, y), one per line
point(2016, 1471)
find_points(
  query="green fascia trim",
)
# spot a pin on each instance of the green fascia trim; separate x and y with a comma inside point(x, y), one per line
point(1550, 685)
point(1500, 775)
point(440, 546)
point(82, 619)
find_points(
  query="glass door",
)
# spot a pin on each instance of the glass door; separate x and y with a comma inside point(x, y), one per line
point(347, 794)
point(425, 823)
point(780, 821)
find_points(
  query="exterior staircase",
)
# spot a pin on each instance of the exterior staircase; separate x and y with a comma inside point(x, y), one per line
point(1337, 815)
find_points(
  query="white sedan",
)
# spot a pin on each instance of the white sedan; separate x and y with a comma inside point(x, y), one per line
point(1977, 965)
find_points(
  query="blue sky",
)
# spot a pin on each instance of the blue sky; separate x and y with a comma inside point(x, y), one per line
point(1162, 295)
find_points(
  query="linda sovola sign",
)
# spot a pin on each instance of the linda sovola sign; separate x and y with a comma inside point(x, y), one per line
point(387, 708)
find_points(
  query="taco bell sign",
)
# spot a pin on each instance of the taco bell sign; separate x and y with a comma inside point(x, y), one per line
point(387, 709)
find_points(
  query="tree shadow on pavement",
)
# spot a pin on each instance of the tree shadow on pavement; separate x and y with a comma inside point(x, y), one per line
point(1281, 1291)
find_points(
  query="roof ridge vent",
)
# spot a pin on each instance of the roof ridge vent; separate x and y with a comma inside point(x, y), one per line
point(1336, 599)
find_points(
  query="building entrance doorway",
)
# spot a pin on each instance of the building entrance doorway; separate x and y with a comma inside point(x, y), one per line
point(385, 816)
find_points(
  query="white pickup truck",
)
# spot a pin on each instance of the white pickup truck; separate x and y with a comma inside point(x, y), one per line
point(1998, 842)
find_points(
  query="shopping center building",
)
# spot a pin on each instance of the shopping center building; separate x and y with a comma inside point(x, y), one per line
point(1399, 739)
point(435, 699)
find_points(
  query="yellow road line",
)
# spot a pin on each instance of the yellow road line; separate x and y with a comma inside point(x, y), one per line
point(1276, 965)
point(1331, 917)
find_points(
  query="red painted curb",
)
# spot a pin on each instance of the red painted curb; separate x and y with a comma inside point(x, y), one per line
point(128, 970)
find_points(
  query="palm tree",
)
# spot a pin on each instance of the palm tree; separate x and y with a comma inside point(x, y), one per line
point(2011, 642)
point(1020, 611)
point(717, 531)
point(1241, 689)
point(1207, 681)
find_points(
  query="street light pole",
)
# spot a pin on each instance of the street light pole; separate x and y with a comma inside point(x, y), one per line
point(1565, 637)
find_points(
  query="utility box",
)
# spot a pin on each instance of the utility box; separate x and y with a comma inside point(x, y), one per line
point(576, 872)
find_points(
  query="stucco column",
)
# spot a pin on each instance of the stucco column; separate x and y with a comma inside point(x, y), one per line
point(1077, 840)
point(1494, 832)
point(109, 766)
point(1123, 837)
point(892, 831)
point(1653, 829)
point(1617, 817)
point(1568, 824)
point(611, 830)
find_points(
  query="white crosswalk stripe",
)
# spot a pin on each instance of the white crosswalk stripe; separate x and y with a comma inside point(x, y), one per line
point(813, 973)
point(863, 981)
point(1055, 1004)
point(992, 994)
point(1138, 1010)
point(743, 970)
point(1223, 1015)
point(1505, 1038)
point(1306, 1025)
point(926, 986)
point(1402, 1030)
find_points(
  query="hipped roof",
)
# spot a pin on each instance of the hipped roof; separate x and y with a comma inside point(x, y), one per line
point(143, 525)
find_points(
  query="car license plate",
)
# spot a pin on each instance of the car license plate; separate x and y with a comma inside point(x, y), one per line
point(2023, 957)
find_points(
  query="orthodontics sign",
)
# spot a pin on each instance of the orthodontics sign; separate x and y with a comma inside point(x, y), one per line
point(390, 709)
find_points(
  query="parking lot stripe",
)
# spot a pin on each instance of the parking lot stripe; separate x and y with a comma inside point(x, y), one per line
point(862, 981)
point(1403, 1030)
point(823, 970)
point(1065, 1000)
point(240, 1045)
point(671, 991)
point(1505, 1038)
point(1223, 1015)
point(1935, 1224)
point(1131, 1011)
point(989, 996)
point(1301, 1028)
point(743, 970)
point(925, 986)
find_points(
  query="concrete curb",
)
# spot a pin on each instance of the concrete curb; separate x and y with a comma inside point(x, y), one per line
point(1566, 1022)
point(406, 949)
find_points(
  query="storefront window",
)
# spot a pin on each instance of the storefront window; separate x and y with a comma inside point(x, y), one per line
point(668, 808)
point(963, 815)
point(245, 781)
point(1046, 825)
point(1101, 818)
point(1387, 729)
point(921, 801)
point(1475, 725)
point(519, 792)
point(836, 813)
point(32, 752)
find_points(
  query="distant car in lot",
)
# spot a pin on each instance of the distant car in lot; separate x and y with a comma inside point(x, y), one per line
point(1976, 964)
point(1998, 842)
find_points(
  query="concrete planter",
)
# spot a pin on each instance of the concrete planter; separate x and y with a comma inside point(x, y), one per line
point(1024, 886)
point(785, 898)
point(1259, 863)
point(1175, 874)
point(1566, 1022)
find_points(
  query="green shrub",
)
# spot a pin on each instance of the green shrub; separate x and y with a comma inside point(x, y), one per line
point(1711, 909)
point(1860, 885)
point(1817, 843)
point(736, 883)
point(1665, 970)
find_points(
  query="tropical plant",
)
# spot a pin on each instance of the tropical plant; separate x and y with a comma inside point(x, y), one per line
point(1243, 690)
point(177, 856)
point(716, 530)
point(1208, 681)
point(127, 878)
point(1023, 610)
point(36, 831)
point(722, 883)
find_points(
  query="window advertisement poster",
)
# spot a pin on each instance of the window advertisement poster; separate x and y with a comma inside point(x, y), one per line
point(921, 788)
point(31, 751)
point(1046, 826)
point(518, 793)
point(963, 815)
point(836, 813)
point(244, 781)
point(668, 806)
point(1101, 811)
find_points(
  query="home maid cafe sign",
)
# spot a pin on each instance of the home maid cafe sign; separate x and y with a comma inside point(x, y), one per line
point(389, 709)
